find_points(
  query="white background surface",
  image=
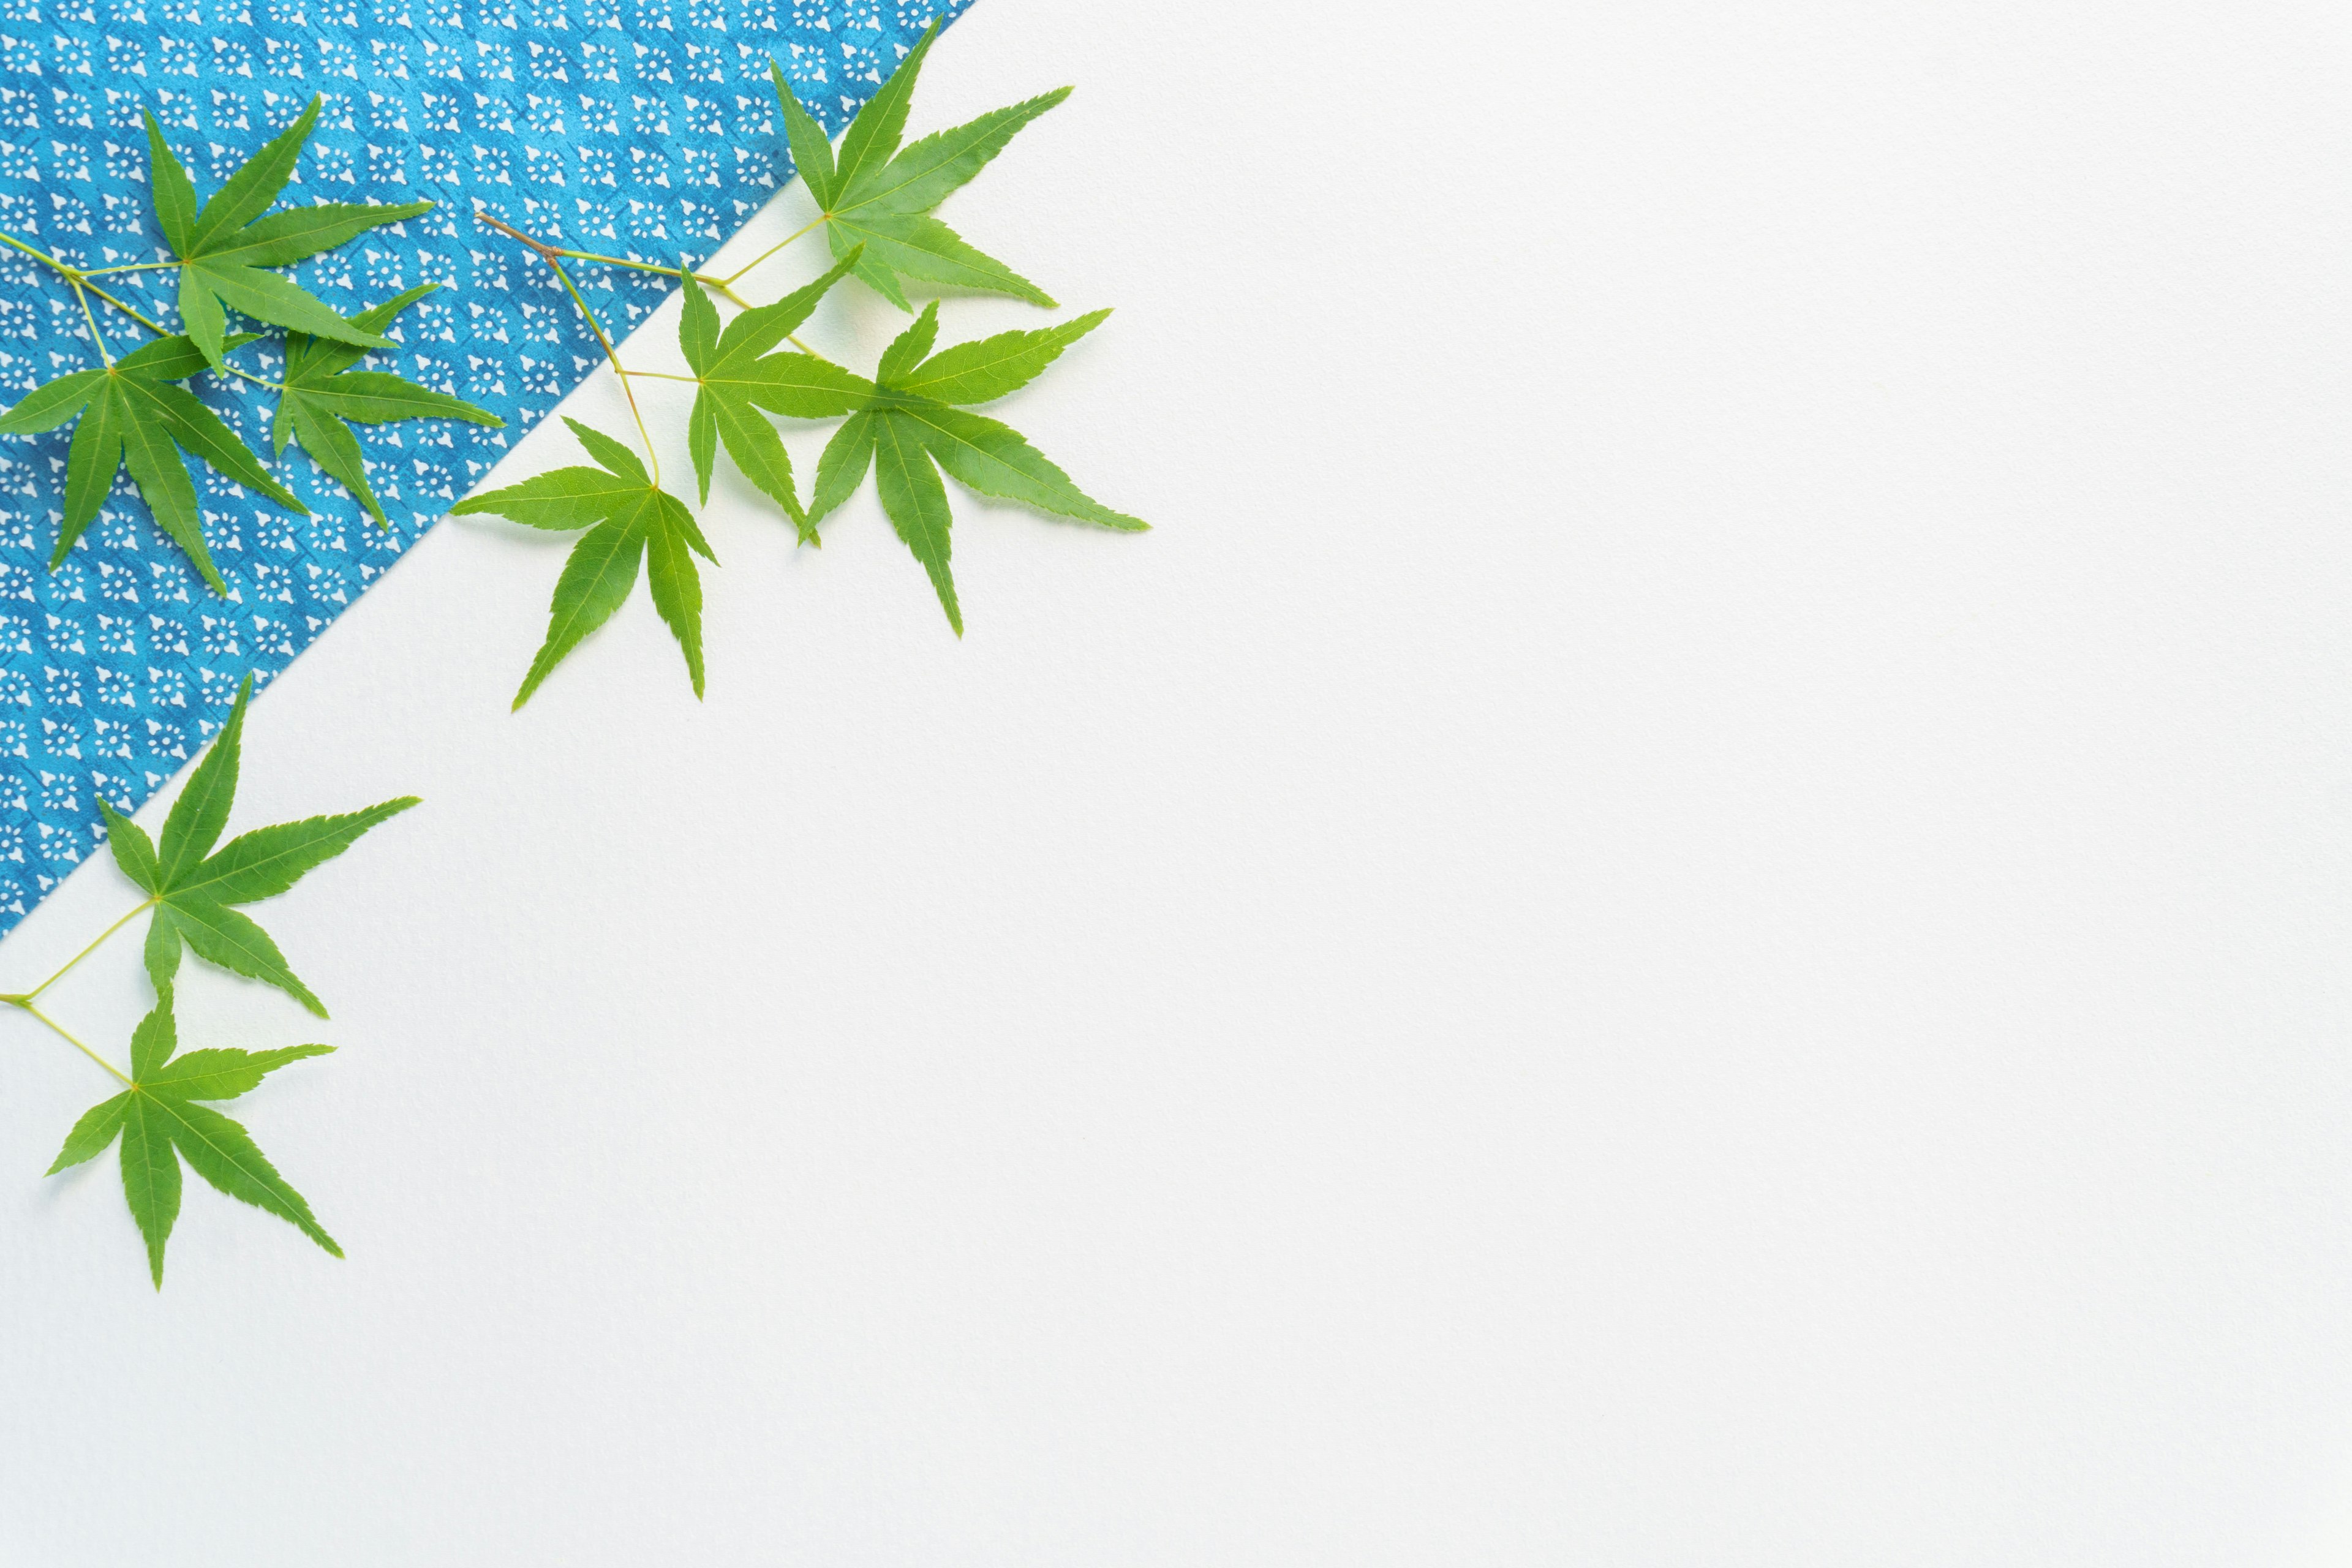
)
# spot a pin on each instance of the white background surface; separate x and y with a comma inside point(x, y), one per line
point(1690, 910)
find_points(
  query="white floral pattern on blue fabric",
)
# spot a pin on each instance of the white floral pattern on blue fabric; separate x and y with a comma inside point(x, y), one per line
point(640, 128)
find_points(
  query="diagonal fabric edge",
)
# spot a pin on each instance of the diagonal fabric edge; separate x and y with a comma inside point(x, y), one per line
point(644, 128)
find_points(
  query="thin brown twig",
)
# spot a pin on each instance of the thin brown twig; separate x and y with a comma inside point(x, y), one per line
point(553, 257)
point(552, 251)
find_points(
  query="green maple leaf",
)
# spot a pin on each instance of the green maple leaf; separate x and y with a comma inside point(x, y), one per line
point(195, 890)
point(871, 198)
point(227, 250)
point(916, 416)
point(323, 397)
point(160, 1123)
point(133, 414)
point(738, 377)
point(629, 518)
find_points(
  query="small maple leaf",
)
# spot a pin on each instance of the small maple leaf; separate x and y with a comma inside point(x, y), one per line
point(739, 377)
point(227, 248)
point(323, 397)
point(133, 414)
point(914, 416)
point(869, 197)
point(160, 1123)
point(629, 517)
point(194, 891)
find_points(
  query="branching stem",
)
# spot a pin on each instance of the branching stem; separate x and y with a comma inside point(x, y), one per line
point(813, 223)
point(552, 251)
point(556, 255)
point(95, 335)
point(24, 999)
point(145, 321)
point(553, 257)
point(26, 1004)
point(80, 281)
point(38, 255)
point(702, 277)
point(163, 331)
point(86, 952)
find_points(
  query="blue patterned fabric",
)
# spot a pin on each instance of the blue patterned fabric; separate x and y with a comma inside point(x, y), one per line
point(638, 128)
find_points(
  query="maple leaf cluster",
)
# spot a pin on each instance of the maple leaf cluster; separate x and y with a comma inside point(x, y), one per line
point(135, 413)
point(910, 424)
point(194, 884)
point(906, 424)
